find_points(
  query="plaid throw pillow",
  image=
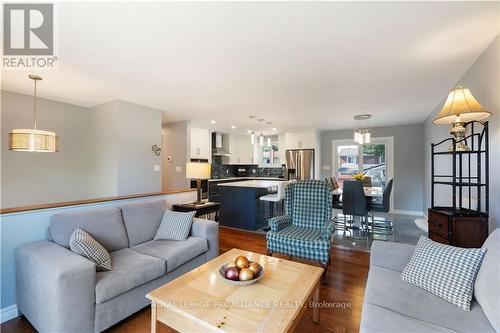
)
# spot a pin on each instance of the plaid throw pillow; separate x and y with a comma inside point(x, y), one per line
point(446, 271)
point(85, 245)
point(175, 225)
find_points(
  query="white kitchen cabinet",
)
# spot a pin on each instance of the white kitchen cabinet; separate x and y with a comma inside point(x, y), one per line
point(241, 149)
point(281, 148)
point(200, 143)
point(301, 140)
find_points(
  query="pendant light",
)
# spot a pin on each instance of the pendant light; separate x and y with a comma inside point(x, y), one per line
point(33, 140)
point(269, 137)
point(362, 135)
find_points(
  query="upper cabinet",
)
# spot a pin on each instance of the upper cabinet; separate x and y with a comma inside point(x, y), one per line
point(241, 150)
point(200, 143)
point(301, 140)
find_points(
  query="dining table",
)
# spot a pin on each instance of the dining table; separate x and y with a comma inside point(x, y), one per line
point(372, 192)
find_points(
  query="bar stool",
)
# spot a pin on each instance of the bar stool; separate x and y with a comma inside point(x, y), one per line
point(275, 198)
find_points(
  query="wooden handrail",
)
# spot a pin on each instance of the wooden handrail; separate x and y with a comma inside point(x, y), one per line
point(88, 201)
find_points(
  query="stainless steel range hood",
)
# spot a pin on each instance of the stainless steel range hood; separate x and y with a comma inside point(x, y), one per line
point(218, 146)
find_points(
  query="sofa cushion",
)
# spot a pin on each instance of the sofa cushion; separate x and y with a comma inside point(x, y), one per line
point(300, 237)
point(380, 320)
point(83, 244)
point(175, 225)
point(175, 253)
point(130, 269)
point(142, 220)
point(446, 271)
point(105, 225)
point(386, 289)
point(487, 286)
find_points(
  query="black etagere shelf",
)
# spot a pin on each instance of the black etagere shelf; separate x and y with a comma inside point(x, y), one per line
point(469, 172)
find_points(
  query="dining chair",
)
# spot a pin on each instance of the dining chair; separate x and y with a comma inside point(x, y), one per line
point(367, 181)
point(354, 204)
point(384, 227)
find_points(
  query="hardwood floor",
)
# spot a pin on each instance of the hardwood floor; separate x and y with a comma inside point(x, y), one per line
point(347, 281)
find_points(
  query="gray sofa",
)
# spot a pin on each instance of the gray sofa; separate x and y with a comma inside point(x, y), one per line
point(392, 305)
point(60, 291)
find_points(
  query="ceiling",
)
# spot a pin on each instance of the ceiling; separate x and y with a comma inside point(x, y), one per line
point(296, 64)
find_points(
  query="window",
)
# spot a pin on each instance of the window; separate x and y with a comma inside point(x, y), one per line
point(373, 159)
point(269, 152)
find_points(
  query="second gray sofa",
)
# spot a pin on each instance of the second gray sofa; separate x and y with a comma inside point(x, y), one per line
point(60, 291)
point(392, 305)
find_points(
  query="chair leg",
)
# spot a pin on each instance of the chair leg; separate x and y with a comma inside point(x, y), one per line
point(324, 277)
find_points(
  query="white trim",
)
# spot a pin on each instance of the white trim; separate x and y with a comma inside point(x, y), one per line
point(8, 313)
point(407, 212)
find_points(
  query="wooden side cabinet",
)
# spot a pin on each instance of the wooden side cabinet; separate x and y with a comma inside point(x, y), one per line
point(462, 229)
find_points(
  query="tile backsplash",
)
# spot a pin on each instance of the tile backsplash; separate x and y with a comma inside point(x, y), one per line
point(220, 170)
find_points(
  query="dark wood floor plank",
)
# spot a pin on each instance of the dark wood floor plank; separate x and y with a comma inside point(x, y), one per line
point(346, 287)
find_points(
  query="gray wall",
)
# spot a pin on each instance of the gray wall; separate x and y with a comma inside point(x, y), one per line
point(483, 80)
point(104, 151)
point(175, 143)
point(139, 128)
point(102, 158)
point(408, 161)
point(34, 178)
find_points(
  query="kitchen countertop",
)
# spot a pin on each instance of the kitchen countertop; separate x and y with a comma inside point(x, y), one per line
point(247, 178)
point(254, 183)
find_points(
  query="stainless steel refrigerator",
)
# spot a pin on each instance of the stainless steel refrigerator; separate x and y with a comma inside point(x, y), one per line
point(299, 164)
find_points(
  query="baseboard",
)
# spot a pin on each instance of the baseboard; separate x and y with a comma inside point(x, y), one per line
point(408, 212)
point(8, 313)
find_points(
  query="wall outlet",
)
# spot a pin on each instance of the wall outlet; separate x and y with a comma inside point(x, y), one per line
point(178, 169)
point(156, 168)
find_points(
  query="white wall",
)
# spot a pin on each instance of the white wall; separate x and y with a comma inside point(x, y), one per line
point(33, 178)
point(483, 79)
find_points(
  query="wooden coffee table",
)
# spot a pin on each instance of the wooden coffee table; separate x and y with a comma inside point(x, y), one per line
point(201, 301)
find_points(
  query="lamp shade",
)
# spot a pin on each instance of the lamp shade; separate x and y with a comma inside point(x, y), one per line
point(460, 106)
point(198, 170)
point(32, 140)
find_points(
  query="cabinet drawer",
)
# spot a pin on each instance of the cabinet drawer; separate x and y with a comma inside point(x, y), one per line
point(438, 224)
point(438, 238)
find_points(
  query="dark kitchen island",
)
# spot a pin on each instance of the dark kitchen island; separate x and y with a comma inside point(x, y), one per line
point(240, 206)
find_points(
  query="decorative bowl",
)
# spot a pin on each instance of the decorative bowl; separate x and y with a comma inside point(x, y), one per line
point(222, 271)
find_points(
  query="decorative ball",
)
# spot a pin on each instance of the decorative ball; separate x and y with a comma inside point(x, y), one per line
point(232, 273)
point(242, 262)
point(255, 268)
point(246, 274)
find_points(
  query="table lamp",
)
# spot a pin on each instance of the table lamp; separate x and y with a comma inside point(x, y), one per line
point(460, 107)
point(198, 171)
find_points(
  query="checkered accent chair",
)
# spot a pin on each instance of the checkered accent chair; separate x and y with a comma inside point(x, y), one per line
point(305, 231)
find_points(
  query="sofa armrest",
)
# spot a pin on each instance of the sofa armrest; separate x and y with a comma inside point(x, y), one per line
point(280, 222)
point(55, 287)
point(210, 231)
point(391, 255)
